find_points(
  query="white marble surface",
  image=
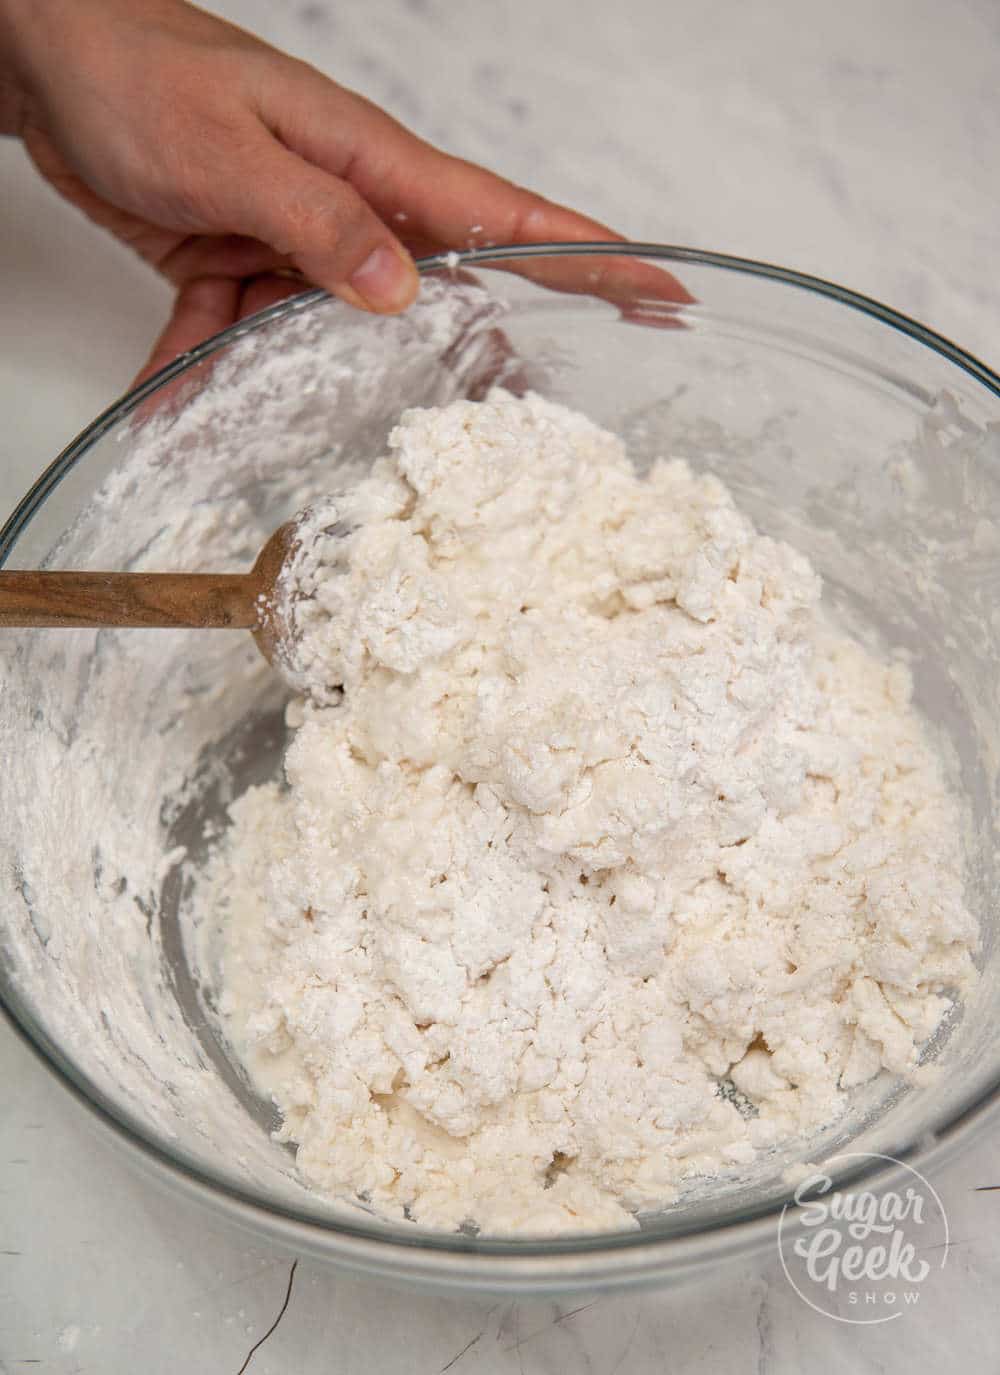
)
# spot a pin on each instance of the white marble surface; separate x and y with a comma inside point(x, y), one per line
point(853, 140)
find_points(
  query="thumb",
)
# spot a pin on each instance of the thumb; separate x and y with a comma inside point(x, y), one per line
point(319, 222)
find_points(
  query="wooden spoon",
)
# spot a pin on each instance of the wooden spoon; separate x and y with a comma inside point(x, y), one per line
point(199, 601)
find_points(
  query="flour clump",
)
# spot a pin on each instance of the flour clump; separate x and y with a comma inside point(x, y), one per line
point(605, 859)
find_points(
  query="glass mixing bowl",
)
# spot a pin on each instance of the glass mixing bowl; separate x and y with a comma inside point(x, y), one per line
point(863, 438)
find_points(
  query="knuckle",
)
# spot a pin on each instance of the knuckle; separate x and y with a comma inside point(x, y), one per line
point(527, 220)
point(325, 220)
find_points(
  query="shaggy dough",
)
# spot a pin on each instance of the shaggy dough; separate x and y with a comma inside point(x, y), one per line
point(605, 860)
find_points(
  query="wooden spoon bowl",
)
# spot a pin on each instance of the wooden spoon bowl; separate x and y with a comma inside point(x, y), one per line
point(145, 601)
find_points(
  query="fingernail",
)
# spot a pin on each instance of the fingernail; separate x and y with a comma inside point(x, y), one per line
point(386, 280)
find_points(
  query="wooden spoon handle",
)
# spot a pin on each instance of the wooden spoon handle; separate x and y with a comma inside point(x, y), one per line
point(202, 601)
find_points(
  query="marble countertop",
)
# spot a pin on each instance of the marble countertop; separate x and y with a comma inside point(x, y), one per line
point(850, 140)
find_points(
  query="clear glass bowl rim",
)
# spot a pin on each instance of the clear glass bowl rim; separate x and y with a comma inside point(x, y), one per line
point(457, 1260)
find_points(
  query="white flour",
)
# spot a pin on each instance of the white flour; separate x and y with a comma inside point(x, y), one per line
point(613, 863)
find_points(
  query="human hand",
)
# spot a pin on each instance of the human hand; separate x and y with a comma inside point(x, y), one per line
point(230, 166)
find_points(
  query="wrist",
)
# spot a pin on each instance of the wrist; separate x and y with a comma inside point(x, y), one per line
point(29, 32)
point(39, 35)
point(12, 92)
point(22, 28)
